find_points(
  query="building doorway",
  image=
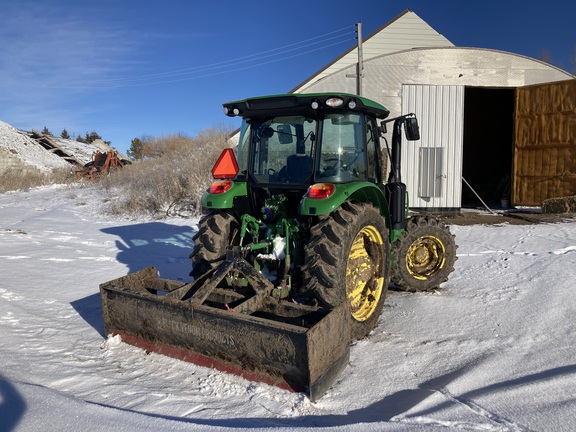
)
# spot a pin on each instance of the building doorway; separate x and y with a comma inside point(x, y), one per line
point(488, 140)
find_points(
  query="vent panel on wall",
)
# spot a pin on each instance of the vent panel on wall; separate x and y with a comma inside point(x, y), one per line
point(430, 172)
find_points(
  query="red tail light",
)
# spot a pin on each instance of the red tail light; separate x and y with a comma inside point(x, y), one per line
point(220, 186)
point(320, 190)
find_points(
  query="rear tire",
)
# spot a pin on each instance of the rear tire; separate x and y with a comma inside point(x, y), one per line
point(424, 255)
point(216, 231)
point(348, 259)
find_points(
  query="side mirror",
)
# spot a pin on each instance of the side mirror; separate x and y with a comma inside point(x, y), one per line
point(265, 132)
point(382, 129)
point(411, 129)
point(284, 132)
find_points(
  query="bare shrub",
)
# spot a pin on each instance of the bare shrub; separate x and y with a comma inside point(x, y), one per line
point(61, 176)
point(171, 182)
point(155, 147)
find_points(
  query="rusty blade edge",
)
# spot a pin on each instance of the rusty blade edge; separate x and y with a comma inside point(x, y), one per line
point(208, 362)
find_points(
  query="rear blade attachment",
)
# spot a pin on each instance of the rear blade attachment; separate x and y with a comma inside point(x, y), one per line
point(292, 346)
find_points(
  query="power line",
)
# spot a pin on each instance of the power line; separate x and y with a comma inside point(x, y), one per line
point(338, 36)
point(250, 57)
point(228, 71)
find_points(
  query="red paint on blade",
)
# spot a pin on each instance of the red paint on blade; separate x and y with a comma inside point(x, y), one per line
point(202, 360)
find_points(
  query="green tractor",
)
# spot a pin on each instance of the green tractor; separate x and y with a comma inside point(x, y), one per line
point(301, 238)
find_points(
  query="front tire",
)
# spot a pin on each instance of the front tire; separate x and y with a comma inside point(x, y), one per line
point(348, 259)
point(424, 255)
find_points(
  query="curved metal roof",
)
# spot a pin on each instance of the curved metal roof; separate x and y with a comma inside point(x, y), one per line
point(475, 67)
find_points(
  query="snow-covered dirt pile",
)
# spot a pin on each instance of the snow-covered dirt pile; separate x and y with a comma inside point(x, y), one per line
point(32, 153)
point(28, 150)
point(493, 350)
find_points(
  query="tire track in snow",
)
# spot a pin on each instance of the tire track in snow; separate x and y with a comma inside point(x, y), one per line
point(503, 423)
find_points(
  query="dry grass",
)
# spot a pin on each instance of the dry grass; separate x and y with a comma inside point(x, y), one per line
point(23, 180)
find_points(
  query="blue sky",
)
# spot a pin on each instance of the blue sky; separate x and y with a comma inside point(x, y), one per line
point(127, 68)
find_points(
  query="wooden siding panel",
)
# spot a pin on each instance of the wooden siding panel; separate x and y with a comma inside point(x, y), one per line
point(545, 143)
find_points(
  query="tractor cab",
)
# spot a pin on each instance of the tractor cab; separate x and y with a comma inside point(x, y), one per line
point(297, 151)
point(289, 143)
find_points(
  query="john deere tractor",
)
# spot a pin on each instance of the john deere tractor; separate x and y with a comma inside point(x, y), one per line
point(306, 226)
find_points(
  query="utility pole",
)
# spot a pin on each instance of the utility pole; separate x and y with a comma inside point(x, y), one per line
point(360, 65)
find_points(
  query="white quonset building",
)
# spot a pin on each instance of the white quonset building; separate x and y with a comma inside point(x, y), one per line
point(503, 122)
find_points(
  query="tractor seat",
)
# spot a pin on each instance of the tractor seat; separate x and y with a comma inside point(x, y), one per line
point(298, 168)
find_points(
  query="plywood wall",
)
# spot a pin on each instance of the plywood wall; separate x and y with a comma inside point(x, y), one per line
point(545, 143)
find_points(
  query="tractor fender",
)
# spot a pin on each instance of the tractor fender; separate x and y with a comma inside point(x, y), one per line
point(358, 191)
point(224, 200)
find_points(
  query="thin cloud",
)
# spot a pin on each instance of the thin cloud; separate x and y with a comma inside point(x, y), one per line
point(44, 52)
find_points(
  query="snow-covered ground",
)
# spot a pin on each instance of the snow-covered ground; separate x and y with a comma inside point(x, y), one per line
point(495, 349)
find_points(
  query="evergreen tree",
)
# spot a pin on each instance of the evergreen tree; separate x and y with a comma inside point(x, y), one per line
point(46, 132)
point(91, 137)
point(136, 149)
point(64, 134)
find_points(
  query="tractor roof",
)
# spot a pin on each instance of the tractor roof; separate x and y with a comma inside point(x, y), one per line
point(303, 104)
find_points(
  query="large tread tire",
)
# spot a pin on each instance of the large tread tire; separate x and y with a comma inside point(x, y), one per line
point(216, 231)
point(424, 255)
point(348, 259)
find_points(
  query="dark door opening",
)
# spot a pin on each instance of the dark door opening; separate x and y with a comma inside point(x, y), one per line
point(487, 145)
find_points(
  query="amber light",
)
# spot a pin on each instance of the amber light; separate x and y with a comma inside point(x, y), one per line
point(320, 190)
point(220, 186)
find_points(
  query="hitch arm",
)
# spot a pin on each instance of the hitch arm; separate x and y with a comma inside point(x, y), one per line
point(200, 289)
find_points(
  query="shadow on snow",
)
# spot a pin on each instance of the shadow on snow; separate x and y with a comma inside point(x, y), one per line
point(164, 246)
point(12, 406)
point(391, 406)
point(158, 244)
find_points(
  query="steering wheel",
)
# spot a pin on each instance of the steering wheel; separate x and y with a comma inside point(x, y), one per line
point(336, 160)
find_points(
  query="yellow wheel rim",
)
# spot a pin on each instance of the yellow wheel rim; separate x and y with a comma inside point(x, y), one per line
point(364, 273)
point(425, 257)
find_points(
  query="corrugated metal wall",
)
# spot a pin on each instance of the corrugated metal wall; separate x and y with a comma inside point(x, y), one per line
point(432, 166)
point(545, 143)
